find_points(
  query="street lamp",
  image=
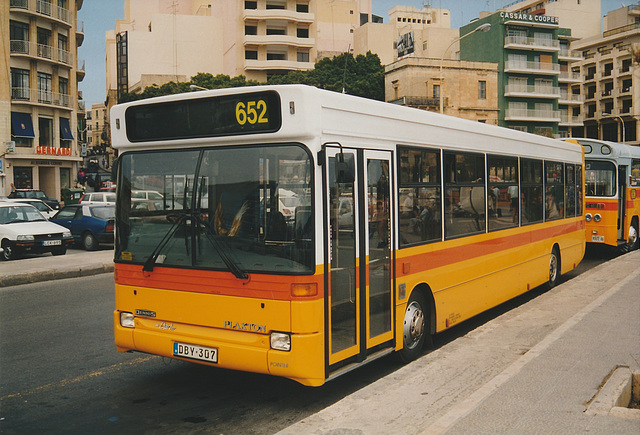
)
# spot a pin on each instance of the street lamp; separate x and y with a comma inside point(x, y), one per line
point(481, 28)
point(621, 123)
point(197, 88)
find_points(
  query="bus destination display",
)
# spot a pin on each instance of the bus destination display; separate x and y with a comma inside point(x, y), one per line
point(227, 115)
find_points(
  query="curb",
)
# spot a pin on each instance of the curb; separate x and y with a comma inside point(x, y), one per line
point(49, 275)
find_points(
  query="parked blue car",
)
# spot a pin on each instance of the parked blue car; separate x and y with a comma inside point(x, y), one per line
point(90, 225)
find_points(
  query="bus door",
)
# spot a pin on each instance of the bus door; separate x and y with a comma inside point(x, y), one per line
point(359, 267)
point(622, 201)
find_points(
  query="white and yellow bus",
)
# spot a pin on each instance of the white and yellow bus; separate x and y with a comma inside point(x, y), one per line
point(612, 189)
point(301, 233)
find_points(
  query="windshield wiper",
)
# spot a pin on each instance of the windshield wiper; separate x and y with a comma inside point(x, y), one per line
point(151, 261)
point(216, 242)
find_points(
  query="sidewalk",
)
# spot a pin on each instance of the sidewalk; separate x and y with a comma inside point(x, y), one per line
point(47, 267)
point(537, 369)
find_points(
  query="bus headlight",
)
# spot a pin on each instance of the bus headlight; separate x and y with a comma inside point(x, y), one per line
point(597, 218)
point(127, 320)
point(280, 341)
point(588, 217)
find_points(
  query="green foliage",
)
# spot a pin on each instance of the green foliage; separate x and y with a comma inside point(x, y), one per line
point(362, 76)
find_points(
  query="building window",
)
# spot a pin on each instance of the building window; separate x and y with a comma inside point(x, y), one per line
point(19, 84)
point(251, 54)
point(23, 177)
point(276, 31)
point(250, 5)
point(302, 7)
point(45, 125)
point(482, 89)
point(303, 56)
point(302, 32)
point(44, 88)
point(276, 56)
point(436, 91)
point(19, 36)
point(273, 4)
point(250, 30)
point(44, 43)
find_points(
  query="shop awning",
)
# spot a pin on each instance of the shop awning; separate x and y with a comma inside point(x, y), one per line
point(65, 130)
point(21, 125)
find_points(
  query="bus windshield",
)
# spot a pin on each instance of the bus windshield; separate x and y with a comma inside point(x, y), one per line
point(242, 210)
point(600, 178)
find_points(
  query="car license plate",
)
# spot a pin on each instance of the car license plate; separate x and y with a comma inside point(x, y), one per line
point(51, 242)
point(597, 239)
point(193, 351)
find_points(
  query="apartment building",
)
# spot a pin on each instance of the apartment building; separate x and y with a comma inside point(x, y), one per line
point(610, 75)
point(39, 94)
point(535, 81)
point(172, 40)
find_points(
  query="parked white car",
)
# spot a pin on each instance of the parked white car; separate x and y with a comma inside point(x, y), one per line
point(100, 198)
point(41, 206)
point(23, 229)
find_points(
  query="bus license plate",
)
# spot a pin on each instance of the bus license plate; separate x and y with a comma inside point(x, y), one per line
point(209, 354)
point(51, 242)
point(597, 239)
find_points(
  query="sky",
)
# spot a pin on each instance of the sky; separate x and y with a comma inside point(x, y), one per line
point(100, 15)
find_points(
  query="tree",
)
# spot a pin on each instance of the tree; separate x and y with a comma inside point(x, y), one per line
point(362, 76)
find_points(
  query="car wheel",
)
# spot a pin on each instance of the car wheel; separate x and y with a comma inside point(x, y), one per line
point(89, 242)
point(59, 251)
point(8, 253)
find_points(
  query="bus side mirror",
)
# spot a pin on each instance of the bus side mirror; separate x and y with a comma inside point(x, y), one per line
point(345, 168)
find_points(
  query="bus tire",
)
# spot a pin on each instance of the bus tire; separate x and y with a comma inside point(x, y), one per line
point(633, 241)
point(414, 329)
point(554, 268)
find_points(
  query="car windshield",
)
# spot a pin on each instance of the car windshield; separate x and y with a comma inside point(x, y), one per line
point(220, 209)
point(35, 194)
point(19, 213)
point(104, 212)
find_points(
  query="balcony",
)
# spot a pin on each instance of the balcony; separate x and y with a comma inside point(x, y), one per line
point(80, 73)
point(43, 8)
point(535, 44)
point(40, 97)
point(570, 99)
point(532, 115)
point(569, 77)
point(278, 14)
point(569, 55)
point(288, 40)
point(266, 65)
point(517, 66)
point(517, 90)
point(44, 52)
point(80, 33)
point(567, 120)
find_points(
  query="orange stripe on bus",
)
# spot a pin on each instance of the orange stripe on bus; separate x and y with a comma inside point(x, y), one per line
point(275, 287)
point(494, 245)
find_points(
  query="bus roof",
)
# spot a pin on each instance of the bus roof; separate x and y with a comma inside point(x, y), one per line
point(606, 149)
point(315, 116)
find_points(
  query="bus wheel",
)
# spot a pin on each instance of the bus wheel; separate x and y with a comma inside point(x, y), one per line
point(414, 329)
point(633, 242)
point(554, 268)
